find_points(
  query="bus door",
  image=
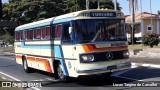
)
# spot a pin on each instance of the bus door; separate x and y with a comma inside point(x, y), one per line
point(68, 48)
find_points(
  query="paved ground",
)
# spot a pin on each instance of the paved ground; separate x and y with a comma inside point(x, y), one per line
point(132, 76)
point(145, 60)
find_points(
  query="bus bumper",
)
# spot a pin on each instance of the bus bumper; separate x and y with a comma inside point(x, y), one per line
point(104, 69)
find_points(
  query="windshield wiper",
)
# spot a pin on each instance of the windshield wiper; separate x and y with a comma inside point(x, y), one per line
point(95, 37)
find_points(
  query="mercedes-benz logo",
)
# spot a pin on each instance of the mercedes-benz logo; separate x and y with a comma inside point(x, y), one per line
point(109, 56)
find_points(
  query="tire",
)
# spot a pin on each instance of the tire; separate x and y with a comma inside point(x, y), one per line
point(25, 65)
point(60, 74)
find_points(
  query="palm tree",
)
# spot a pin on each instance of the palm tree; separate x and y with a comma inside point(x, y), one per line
point(133, 6)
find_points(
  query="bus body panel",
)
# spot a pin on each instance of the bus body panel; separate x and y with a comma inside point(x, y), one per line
point(40, 54)
point(72, 59)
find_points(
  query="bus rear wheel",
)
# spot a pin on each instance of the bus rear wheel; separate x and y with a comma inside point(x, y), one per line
point(25, 65)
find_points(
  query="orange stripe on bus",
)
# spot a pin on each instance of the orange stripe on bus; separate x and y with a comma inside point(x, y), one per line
point(18, 57)
point(92, 47)
point(40, 60)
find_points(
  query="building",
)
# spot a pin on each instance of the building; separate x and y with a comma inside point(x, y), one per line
point(145, 23)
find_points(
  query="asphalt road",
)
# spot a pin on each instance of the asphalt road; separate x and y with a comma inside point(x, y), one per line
point(10, 70)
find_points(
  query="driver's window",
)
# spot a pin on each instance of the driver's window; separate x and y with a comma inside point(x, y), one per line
point(100, 28)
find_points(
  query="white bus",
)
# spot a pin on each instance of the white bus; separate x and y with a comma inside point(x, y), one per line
point(80, 43)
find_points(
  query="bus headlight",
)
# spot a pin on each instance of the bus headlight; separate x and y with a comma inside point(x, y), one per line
point(126, 54)
point(87, 58)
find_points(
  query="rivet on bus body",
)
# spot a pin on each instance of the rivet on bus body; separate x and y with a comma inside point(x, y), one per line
point(74, 48)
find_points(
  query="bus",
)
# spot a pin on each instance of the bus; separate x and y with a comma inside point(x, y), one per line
point(81, 43)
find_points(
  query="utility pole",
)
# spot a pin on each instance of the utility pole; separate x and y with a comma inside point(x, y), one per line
point(132, 20)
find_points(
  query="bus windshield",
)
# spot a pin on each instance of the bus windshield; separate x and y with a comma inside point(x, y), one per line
point(88, 31)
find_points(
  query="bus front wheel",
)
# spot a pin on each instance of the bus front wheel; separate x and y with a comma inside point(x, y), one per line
point(25, 65)
point(60, 74)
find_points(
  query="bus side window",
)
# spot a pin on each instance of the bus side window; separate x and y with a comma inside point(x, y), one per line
point(46, 33)
point(22, 35)
point(66, 36)
point(17, 38)
point(29, 34)
point(37, 34)
point(56, 31)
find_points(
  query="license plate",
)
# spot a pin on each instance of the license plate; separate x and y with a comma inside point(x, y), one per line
point(112, 67)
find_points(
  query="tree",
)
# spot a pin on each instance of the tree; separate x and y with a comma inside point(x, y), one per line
point(26, 11)
point(0, 9)
point(75, 5)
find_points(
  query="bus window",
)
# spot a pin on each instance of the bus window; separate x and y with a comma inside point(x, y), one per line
point(29, 34)
point(22, 35)
point(17, 36)
point(37, 34)
point(56, 31)
point(66, 36)
point(46, 33)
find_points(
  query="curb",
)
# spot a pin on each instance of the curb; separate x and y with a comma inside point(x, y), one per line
point(146, 65)
point(7, 53)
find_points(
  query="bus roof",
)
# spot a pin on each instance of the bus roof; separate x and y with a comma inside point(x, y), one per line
point(83, 14)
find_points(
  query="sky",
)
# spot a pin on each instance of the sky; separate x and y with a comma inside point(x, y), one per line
point(125, 6)
point(155, 4)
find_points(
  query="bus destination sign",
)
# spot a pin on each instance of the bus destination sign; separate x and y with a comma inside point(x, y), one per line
point(99, 14)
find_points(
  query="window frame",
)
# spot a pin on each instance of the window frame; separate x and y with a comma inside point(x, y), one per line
point(151, 26)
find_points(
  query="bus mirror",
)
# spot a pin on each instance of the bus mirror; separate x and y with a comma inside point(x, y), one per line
point(70, 30)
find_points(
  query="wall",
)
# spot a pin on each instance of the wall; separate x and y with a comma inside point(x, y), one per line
point(147, 22)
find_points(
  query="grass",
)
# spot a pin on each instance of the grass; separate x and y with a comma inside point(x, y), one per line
point(8, 88)
point(7, 49)
point(140, 46)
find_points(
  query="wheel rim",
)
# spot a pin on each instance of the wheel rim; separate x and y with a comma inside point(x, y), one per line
point(60, 72)
point(25, 65)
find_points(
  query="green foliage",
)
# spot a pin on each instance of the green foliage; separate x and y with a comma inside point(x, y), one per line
point(26, 11)
point(150, 40)
point(73, 5)
point(7, 38)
